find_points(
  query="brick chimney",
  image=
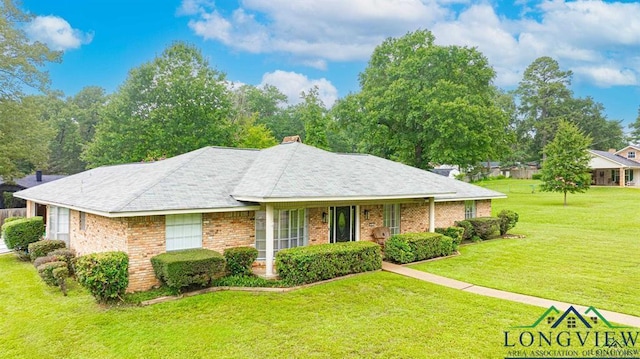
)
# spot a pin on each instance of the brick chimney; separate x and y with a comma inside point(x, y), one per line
point(38, 176)
point(612, 150)
point(289, 139)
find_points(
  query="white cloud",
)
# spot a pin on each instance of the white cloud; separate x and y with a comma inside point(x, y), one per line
point(57, 33)
point(292, 84)
point(598, 40)
point(193, 7)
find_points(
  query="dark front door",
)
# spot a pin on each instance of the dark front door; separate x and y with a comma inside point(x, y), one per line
point(343, 227)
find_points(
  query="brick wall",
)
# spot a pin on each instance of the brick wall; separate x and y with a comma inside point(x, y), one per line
point(414, 217)
point(318, 231)
point(483, 208)
point(449, 212)
point(145, 239)
point(226, 230)
point(101, 234)
point(375, 220)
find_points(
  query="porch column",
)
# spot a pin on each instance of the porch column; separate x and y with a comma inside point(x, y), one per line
point(432, 215)
point(269, 240)
point(622, 184)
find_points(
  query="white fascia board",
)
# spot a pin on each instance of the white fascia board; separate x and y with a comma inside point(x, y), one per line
point(327, 199)
point(147, 213)
point(457, 199)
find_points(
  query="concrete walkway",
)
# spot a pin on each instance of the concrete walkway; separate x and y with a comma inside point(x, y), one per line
point(614, 317)
point(3, 247)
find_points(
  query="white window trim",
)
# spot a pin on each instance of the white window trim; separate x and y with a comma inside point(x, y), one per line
point(183, 231)
point(57, 227)
point(470, 209)
point(393, 224)
point(283, 237)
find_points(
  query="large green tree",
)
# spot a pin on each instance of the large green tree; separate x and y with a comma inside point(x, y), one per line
point(634, 136)
point(566, 167)
point(424, 104)
point(313, 115)
point(544, 98)
point(589, 116)
point(171, 105)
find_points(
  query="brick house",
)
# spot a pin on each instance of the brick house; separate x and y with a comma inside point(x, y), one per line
point(285, 196)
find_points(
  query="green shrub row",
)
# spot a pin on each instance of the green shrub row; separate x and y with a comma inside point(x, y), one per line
point(45, 271)
point(188, 267)
point(240, 280)
point(240, 260)
point(105, 275)
point(483, 228)
point(309, 264)
point(412, 247)
point(18, 234)
point(42, 248)
point(455, 233)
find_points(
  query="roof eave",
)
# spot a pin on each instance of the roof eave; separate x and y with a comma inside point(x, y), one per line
point(470, 198)
point(335, 198)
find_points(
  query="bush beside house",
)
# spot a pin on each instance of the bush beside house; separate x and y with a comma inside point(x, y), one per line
point(310, 264)
point(188, 267)
point(240, 260)
point(412, 247)
point(105, 275)
point(43, 247)
point(18, 234)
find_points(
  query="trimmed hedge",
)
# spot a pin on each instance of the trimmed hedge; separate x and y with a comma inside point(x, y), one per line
point(467, 229)
point(43, 247)
point(455, 233)
point(310, 264)
point(64, 254)
point(105, 275)
point(46, 259)
point(240, 259)
point(46, 271)
point(188, 267)
point(18, 234)
point(412, 247)
point(508, 220)
point(485, 227)
point(11, 219)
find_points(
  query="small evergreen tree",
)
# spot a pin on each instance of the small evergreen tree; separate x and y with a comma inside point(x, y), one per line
point(566, 167)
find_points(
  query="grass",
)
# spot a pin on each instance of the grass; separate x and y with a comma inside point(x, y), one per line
point(373, 315)
point(587, 252)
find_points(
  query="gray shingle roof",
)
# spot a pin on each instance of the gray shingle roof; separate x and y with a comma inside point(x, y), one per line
point(616, 158)
point(223, 178)
point(31, 181)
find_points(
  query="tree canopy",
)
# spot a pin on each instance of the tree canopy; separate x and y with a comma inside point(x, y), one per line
point(424, 104)
point(171, 105)
point(566, 167)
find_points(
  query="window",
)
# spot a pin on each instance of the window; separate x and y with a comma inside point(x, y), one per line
point(571, 322)
point(631, 154)
point(391, 218)
point(59, 223)
point(469, 209)
point(628, 177)
point(83, 221)
point(183, 231)
point(289, 230)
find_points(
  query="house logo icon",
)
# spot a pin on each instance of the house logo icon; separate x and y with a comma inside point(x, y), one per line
point(572, 334)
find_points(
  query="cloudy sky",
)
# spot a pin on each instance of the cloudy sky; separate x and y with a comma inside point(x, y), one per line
point(296, 44)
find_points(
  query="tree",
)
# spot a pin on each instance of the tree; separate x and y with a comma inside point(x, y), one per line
point(171, 105)
point(566, 167)
point(24, 138)
point(252, 135)
point(589, 116)
point(20, 58)
point(544, 95)
point(87, 106)
point(425, 104)
point(313, 115)
point(634, 136)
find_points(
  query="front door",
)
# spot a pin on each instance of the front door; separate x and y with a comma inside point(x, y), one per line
point(343, 224)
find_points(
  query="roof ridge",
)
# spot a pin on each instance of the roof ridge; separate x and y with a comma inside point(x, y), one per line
point(283, 171)
point(170, 172)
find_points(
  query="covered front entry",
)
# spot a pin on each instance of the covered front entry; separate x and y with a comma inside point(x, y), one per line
point(342, 224)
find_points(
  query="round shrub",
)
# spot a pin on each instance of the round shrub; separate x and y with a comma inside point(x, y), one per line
point(46, 271)
point(467, 234)
point(18, 234)
point(398, 250)
point(179, 269)
point(43, 247)
point(508, 220)
point(46, 259)
point(60, 275)
point(64, 254)
point(240, 259)
point(105, 275)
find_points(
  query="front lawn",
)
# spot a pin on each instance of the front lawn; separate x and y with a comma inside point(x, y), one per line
point(587, 253)
point(374, 315)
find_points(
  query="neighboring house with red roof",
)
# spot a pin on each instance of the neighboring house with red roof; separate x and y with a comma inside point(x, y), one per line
point(285, 196)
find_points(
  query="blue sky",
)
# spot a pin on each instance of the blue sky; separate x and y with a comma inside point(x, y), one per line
point(298, 44)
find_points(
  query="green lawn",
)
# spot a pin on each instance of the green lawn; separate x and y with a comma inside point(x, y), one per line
point(587, 252)
point(375, 315)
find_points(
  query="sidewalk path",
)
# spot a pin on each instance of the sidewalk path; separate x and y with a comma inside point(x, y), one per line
point(3, 247)
point(500, 294)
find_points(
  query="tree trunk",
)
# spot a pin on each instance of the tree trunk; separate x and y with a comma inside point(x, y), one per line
point(565, 198)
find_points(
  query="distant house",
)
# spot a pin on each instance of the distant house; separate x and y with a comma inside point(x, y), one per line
point(23, 183)
point(447, 171)
point(616, 168)
point(285, 196)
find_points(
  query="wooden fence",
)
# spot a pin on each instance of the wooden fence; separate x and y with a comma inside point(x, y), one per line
point(12, 212)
